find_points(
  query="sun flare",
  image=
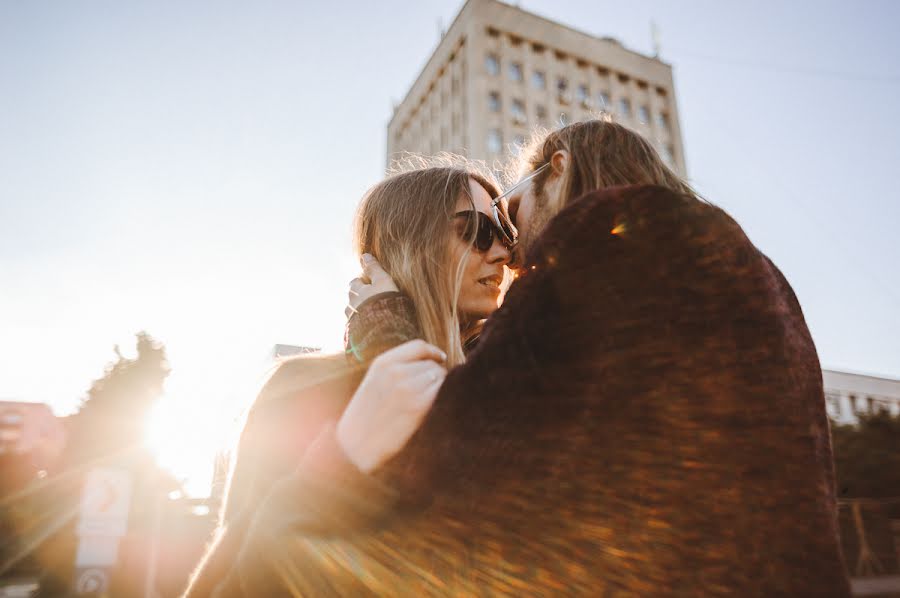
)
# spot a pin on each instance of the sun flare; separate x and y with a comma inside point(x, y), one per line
point(185, 443)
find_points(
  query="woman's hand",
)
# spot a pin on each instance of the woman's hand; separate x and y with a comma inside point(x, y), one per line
point(374, 281)
point(389, 405)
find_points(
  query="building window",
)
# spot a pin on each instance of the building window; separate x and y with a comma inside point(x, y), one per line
point(492, 64)
point(662, 120)
point(625, 107)
point(494, 101)
point(518, 111)
point(495, 141)
point(562, 90)
point(538, 80)
point(454, 86)
point(644, 115)
point(541, 113)
point(603, 100)
point(583, 95)
point(833, 404)
point(515, 71)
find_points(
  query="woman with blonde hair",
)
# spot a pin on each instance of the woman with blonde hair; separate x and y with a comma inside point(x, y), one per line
point(445, 243)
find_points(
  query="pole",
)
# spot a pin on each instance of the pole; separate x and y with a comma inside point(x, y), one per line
point(153, 553)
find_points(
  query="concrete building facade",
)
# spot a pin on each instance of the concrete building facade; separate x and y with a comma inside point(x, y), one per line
point(848, 395)
point(499, 72)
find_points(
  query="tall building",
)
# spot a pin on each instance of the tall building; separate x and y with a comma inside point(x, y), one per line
point(848, 395)
point(500, 71)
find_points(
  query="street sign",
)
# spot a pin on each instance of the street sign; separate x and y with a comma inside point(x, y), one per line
point(104, 503)
point(97, 551)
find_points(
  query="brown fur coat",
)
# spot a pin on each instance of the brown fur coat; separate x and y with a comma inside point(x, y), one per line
point(644, 416)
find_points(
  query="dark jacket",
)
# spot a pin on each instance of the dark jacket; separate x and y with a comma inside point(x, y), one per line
point(644, 415)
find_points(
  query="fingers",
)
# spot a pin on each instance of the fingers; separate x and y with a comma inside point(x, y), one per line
point(427, 381)
point(422, 367)
point(414, 350)
point(426, 396)
point(356, 287)
point(372, 269)
point(355, 295)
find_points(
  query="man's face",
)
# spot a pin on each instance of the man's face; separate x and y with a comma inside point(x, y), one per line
point(531, 210)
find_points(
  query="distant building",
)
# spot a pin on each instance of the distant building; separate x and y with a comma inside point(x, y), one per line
point(500, 71)
point(282, 351)
point(31, 429)
point(848, 395)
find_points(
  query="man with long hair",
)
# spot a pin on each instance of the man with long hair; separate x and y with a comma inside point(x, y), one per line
point(644, 415)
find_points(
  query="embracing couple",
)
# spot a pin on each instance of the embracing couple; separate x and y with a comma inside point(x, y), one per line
point(643, 415)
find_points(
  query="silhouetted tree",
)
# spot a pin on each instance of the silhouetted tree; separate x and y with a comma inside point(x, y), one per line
point(108, 431)
point(112, 417)
point(867, 457)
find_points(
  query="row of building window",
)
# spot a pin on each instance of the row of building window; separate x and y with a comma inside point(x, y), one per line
point(516, 73)
point(860, 405)
point(517, 110)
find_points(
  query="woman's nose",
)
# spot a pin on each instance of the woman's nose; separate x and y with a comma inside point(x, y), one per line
point(498, 253)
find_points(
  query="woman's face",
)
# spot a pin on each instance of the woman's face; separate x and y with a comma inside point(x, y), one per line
point(483, 271)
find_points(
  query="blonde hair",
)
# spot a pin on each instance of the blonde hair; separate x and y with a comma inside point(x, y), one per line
point(404, 222)
point(602, 154)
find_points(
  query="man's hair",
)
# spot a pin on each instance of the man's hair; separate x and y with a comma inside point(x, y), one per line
point(601, 154)
point(404, 222)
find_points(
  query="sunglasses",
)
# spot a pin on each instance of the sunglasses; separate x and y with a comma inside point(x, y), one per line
point(479, 229)
point(500, 210)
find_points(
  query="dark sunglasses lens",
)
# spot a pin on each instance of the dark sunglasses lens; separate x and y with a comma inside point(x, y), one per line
point(484, 238)
point(477, 229)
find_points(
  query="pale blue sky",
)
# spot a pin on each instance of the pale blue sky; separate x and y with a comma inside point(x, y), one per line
point(191, 168)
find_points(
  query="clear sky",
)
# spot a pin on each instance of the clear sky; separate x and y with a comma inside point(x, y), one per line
point(191, 169)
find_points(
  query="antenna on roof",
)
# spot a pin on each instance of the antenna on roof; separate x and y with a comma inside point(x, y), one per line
point(654, 38)
point(440, 28)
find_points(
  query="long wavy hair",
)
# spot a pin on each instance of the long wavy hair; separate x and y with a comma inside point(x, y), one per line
point(602, 154)
point(403, 222)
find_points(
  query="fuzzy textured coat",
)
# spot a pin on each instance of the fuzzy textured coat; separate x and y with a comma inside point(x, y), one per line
point(644, 416)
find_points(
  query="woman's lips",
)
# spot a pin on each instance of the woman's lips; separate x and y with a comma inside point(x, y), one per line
point(491, 281)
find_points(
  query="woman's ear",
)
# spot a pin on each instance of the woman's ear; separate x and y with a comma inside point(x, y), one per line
point(559, 162)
